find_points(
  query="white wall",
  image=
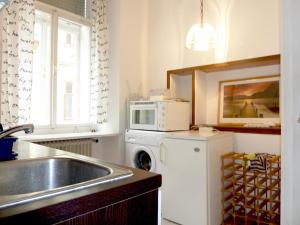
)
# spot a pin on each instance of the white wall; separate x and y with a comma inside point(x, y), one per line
point(291, 111)
point(249, 28)
point(254, 28)
point(258, 143)
point(132, 51)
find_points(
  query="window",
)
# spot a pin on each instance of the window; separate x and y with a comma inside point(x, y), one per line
point(41, 81)
point(61, 74)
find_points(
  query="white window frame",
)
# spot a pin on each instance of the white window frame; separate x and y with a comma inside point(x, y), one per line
point(55, 14)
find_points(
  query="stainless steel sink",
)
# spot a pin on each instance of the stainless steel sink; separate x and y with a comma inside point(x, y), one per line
point(28, 180)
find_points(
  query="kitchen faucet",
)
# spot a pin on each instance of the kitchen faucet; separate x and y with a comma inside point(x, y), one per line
point(27, 128)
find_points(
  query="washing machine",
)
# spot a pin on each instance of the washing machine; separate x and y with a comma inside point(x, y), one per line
point(143, 149)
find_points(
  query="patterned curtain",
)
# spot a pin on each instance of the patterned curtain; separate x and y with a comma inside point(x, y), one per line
point(17, 39)
point(99, 62)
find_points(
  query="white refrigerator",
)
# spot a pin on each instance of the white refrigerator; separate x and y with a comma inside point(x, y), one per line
point(191, 177)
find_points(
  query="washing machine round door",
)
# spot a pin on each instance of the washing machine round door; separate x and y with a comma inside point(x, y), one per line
point(144, 159)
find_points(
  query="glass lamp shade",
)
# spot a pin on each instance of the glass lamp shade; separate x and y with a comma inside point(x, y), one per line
point(1, 5)
point(201, 38)
point(4, 3)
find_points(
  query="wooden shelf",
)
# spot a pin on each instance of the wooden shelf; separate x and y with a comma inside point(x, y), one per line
point(252, 130)
point(232, 65)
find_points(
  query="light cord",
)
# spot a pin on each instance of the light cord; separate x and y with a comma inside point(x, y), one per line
point(201, 13)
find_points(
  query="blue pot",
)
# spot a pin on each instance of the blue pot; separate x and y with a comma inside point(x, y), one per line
point(6, 149)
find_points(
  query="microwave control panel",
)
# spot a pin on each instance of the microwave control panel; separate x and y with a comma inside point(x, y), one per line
point(161, 117)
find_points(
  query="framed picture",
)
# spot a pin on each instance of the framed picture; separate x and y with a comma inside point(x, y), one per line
point(251, 100)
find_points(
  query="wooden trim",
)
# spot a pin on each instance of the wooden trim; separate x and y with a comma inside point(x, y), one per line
point(238, 64)
point(232, 65)
point(219, 102)
point(250, 78)
point(251, 130)
point(193, 92)
point(169, 80)
point(245, 63)
point(184, 71)
point(193, 97)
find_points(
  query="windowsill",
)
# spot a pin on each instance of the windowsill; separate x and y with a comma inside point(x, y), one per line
point(64, 136)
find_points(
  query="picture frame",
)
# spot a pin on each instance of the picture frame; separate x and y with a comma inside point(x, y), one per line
point(254, 100)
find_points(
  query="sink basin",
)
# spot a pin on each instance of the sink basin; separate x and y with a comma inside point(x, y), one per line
point(28, 180)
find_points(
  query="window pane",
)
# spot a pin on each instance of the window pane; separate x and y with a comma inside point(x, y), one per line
point(72, 73)
point(40, 105)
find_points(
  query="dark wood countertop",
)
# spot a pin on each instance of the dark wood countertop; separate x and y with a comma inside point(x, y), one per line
point(74, 203)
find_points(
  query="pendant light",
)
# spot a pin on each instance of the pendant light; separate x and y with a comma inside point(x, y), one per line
point(4, 3)
point(201, 36)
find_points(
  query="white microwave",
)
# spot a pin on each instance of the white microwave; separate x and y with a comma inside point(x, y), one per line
point(168, 115)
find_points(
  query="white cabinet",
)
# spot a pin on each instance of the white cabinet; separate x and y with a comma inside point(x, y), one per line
point(191, 173)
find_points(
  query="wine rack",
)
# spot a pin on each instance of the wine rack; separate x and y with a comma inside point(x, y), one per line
point(250, 197)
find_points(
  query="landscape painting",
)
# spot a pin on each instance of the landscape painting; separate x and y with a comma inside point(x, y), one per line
point(253, 100)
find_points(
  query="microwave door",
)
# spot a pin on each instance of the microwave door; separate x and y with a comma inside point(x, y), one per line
point(143, 117)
